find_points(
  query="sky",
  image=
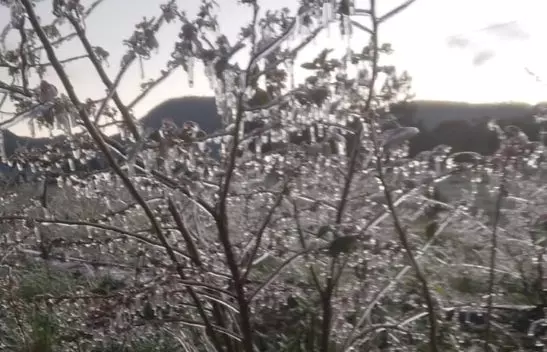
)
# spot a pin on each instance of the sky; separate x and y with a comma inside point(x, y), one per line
point(459, 50)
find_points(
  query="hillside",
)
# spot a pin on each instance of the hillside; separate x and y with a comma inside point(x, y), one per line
point(460, 125)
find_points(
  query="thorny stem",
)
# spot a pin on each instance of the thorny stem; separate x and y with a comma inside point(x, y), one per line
point(104, 149)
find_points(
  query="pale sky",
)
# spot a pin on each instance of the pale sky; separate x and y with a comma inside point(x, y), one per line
point(419, 35)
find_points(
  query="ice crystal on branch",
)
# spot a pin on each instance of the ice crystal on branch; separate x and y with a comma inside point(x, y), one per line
point(301, 221)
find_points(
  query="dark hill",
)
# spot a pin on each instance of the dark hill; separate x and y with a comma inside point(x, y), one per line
point(433, 113)
point(180, 110)
point(460, 125)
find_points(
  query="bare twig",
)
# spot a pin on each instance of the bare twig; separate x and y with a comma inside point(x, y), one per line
point(164, 75)
point(22, 52)
point(260, 232)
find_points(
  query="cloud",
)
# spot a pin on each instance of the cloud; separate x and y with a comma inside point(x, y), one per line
point(488, 42)
point(458, 42)
point(507, 30)
point(482, 57)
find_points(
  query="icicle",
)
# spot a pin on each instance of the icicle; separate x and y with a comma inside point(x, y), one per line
point(32, 127)
point(46, 213)
point(313, 133)
point(258, 146)
point(130, 169)
point(325, 14)
point(190, 71)
point(57, 123)
point(75, 151)
point(321, 131)
point(2, 146)
point(147, 160)
point(297, 26)
point(37, 232)
point(167, 165)
point(141, 66)
point(284, 136)
point(290, 71)
point(341, 148)
point(71, 164)
point(70, 124)
point(201, 146)
point(108, 205)
point(123, 133)
point(211, 76)
point(347, 27)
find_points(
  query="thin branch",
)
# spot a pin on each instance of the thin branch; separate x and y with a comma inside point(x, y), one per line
point(395, 11)
point(94, 225)
point(192, 249)
point(164, 75)
point(24, 62)
point(279, 270)
point(128, 119)
point(260, 232)
point(16, 117)
point(15, 89)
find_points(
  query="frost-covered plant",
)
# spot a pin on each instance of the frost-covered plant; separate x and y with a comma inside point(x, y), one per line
point(301, 225)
